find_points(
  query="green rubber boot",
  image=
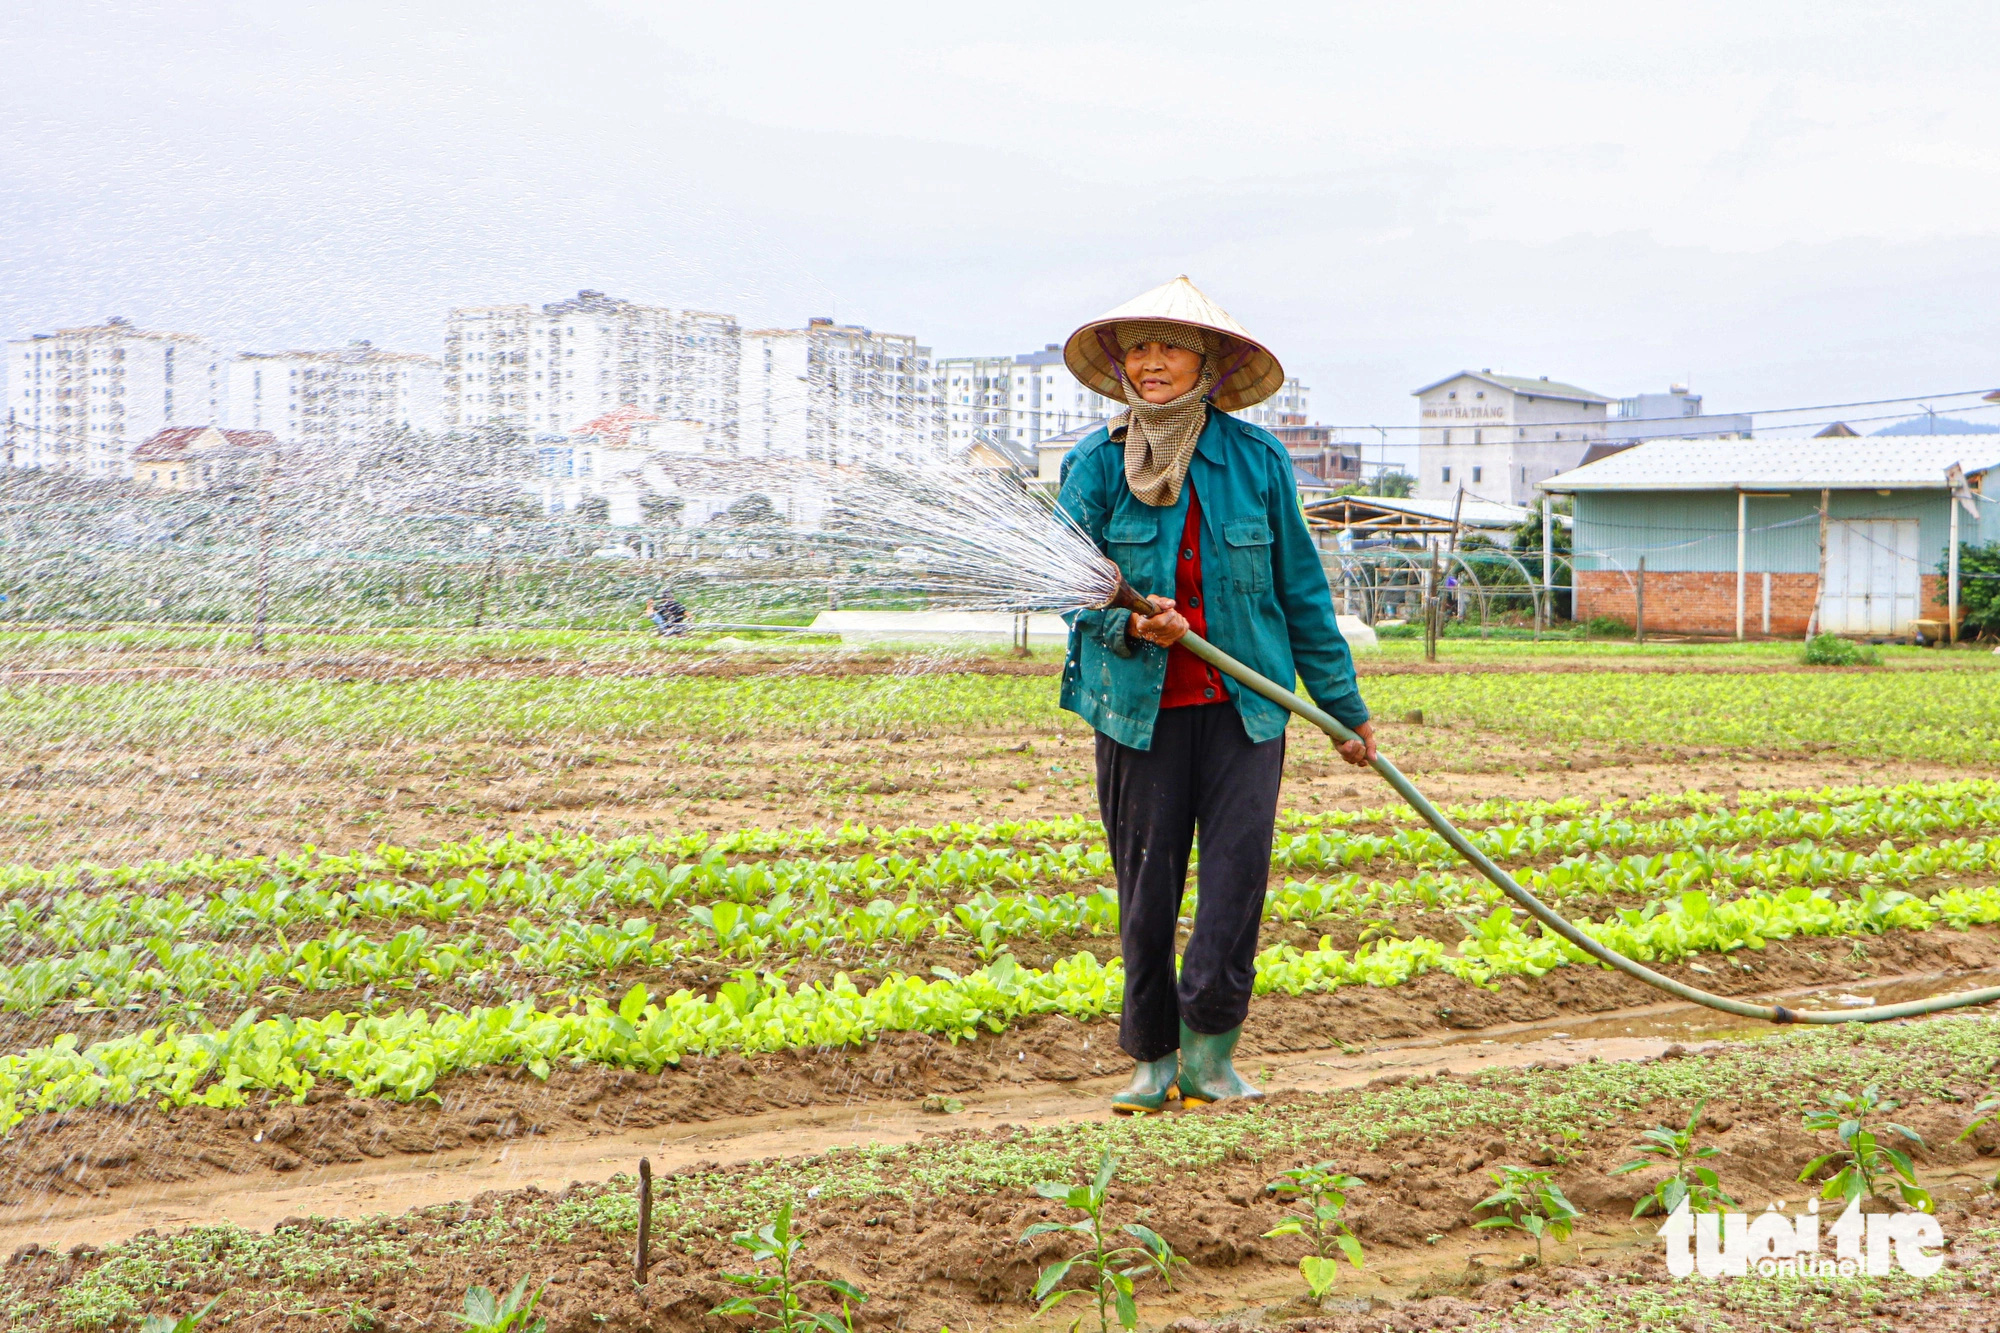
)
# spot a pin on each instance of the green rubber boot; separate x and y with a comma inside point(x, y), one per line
point(1207, 1075)
point(1151, 1088)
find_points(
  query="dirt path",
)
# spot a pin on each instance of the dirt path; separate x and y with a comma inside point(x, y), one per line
point(549, 1158)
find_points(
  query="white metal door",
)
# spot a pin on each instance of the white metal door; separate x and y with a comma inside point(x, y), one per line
point(1872, 577)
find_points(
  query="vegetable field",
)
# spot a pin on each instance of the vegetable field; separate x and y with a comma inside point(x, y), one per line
point(387, 971)
point(266, 1010)
point(1952, 716)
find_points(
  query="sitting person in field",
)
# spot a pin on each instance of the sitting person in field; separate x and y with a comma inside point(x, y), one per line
point(666, 613)
point(1200, 510)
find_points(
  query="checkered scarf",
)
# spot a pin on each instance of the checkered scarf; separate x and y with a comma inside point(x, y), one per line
point(1160, 437)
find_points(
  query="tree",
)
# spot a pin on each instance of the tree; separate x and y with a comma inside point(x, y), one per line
point(1527, 544)
point(1393, 485)
point(1978, 586)
point(753, 510)
point(661, 511)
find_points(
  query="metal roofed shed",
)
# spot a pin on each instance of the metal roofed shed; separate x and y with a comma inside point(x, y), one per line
point(1779, 537)
point(1376, 517)
point(1866, 462)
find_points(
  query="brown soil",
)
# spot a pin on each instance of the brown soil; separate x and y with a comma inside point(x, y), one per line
point(347, 670)
point(927, 1260)
point(97, 1151)
point(173, 803)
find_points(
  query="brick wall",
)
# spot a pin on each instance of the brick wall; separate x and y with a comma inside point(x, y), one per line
point(1704, 602)
point(1699, 602)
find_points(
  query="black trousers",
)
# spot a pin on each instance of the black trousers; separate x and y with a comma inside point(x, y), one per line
point(1203, 772)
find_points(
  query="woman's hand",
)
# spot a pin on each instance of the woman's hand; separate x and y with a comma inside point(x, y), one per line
point(1359, 753)
point(1164, 627)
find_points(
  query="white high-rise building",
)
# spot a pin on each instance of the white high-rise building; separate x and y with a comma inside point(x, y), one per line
point(83, 400)
point(1032, 397)
point(1019, 399)
point(549, 371)
point(333, 399)
point(1286, 407)
point(977, 392)
point(838, 393)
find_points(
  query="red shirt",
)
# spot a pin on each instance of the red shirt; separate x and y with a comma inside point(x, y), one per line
point(1190, 680)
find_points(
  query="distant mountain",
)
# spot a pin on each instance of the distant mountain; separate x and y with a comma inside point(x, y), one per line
point(1944, 426)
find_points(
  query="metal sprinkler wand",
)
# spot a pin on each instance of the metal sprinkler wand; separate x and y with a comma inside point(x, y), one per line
point(1125, 596)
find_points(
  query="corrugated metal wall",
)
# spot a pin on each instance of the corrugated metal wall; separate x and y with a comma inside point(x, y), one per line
point(1696, 530)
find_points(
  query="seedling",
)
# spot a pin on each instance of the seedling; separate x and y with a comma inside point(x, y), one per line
point(1531, 1201)
point(778, 1298)
point(487, 1313)
point(1110, 1285)
point(1697, 1184)
point(187, 1323)
point(1864, 1158)
point(1987, 1112)
point(1322, 1188)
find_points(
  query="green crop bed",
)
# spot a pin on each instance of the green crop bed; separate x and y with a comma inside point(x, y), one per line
point(1946, 715)
point(217, 978)
point(1951, 716)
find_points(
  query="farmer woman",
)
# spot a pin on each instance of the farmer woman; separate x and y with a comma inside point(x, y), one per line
point(1200, 511)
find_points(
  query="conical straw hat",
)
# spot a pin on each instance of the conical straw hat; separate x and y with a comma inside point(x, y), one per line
point(1248, 373)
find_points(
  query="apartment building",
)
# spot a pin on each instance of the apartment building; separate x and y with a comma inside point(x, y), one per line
point(1496, 437)
point(976, 392)
point(1027, 399)
point(1286, 407)
point(550, 370)
point(1021, 400)
point(838, 394)
point(334, 399)
point(84, 399)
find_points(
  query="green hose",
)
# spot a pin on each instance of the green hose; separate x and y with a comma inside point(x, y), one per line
point(1542, 912)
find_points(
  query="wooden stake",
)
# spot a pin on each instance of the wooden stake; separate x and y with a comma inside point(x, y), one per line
point(1639, 604)
point(645, 1216)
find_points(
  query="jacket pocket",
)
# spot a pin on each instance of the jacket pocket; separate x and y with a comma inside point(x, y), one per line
point(1128, 539)
point(1249, 543)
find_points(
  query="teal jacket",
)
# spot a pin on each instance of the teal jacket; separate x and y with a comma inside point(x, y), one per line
point(1263, 587)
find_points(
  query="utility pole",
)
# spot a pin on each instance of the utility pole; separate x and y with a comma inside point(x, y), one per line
point(1951, 576)
point(1816, 622)
point(263, 558)
point(1431, 608)
point(1742, 554)
point(1960, 497)
point(1545, 612)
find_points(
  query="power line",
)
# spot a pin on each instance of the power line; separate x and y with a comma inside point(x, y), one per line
point(1755, 412)
point(1082, 420)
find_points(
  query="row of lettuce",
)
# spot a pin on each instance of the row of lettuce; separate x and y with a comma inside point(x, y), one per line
point(1696, 850)
point(141, 949)
point(971, 853)
point(403, 1054)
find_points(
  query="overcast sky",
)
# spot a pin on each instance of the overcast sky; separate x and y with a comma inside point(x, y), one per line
point(1787, 202)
